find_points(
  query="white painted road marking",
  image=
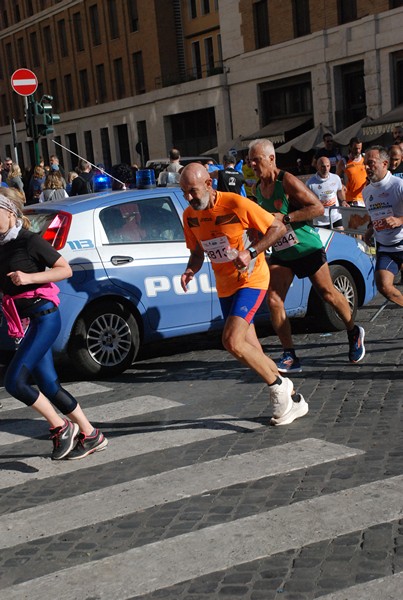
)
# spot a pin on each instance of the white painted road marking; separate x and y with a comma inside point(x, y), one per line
point(169, 562)
point(140, 494)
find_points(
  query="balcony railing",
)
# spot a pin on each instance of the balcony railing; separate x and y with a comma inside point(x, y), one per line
point(199, 72)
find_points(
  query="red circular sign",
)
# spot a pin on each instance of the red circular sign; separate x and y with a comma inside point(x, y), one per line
point(24, 82)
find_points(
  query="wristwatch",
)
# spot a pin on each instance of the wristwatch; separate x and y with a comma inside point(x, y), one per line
point(286, 219)
point(252, 252)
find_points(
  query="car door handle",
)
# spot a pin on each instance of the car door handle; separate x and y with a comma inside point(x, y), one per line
point(121, 260)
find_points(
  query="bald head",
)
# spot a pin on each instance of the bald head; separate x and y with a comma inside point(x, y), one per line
point(195, 182)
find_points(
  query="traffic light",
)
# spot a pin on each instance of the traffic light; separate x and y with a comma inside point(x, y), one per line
point(44, 117)
point(30, 123)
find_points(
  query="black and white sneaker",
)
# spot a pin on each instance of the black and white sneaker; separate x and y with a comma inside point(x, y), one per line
point(64, 439)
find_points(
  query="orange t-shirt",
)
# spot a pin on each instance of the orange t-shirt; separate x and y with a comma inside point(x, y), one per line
point(356, 177)
point(233, 221)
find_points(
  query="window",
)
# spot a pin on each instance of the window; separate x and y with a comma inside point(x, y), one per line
point(209, 53)
point(89, 148)
point(119, 78)
point(397, 76)
point(196, 60)
point(5, 19)
point(101, 83)
point(9, 58)
point(33, 39)
point(395, 3)
point(352, 100)
point(106, 148)
point(47, 40)
point(286, 97)
point(21, 51)
point(61, 27)
point(192, 9)
point(113, 19)
point(78, 32)
point(300, 13)
point(68, 92)
point(151, 220)
point(85, 90)
point(261, 24)
point(138, 70)
point(54, 93)
point(133, 15)
point(17, 15)
point(205, 6)
point(347, 11)
point(29, 8)
point(94, 24)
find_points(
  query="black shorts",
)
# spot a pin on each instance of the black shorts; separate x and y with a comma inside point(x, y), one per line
point(306, 266)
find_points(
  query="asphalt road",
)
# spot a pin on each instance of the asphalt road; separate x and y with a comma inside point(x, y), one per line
point(198, 498)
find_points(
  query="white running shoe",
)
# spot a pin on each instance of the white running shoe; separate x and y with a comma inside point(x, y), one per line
point(280, 397)
point(298, 409)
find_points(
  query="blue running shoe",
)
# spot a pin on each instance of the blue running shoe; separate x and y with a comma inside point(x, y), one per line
point(289, 363)
point(356, 344)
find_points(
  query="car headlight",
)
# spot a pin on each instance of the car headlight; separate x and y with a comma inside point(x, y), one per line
point(370, 250)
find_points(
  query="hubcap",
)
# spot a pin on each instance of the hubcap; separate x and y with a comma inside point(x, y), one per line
point(109, 339)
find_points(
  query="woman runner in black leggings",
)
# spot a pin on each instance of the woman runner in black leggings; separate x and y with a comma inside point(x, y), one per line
point(29, 268)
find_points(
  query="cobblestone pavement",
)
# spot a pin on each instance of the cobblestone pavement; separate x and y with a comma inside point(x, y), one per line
point(198, 498)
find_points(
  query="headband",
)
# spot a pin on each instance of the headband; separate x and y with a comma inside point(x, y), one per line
point(8, 205)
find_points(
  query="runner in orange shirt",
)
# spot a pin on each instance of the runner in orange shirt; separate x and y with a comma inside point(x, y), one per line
point(216, 223)
point(354, 173)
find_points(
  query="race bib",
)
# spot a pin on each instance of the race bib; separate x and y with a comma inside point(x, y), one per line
point(378, 218)
point(216, 249)
point(287, 241)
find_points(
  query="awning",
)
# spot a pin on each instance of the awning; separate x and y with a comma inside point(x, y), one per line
point(306, 141)
point(355, 130)
point(276, 130)
point(234, 144)
point(385, 123)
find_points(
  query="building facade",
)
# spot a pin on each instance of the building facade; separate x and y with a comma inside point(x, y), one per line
point(132, 78)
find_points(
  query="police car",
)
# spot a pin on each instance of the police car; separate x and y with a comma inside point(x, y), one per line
point(127, 252)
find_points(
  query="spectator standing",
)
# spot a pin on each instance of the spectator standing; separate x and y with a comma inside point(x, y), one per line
point(228, 178)
point(330, 151)
point(174, 161)
point(299, 252)
point(384, 201)
point(7, 164)
point(395, 161)
point(352, 171)
point(14, 178)
point(53, 189)
point(55, 165)
point(35, 185)
point(70, 178)
point(83, 184)
point(2, 183)
point(329, 189)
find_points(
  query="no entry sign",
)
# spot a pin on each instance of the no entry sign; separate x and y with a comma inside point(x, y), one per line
point(24, 82)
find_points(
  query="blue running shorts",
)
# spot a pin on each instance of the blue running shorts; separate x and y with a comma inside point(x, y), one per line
point(244, 303)
point(389, 261)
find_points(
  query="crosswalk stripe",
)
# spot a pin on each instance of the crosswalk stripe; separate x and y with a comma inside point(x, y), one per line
point(165, 563)
point(385, 588)
point(81, 388)
point(118, 500)
point(169, 435)
point(18, 430)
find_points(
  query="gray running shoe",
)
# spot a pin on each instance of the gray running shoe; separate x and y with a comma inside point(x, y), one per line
point(64, 439)
point(88, 444)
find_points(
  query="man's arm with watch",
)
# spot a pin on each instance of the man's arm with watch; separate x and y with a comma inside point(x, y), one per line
point(304, 205)
point(276, 231)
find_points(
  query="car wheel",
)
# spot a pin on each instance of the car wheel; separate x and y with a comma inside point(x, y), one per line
point(324, 314)
point(105, 340)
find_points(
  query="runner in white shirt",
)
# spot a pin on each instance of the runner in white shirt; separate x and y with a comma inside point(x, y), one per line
point(384, 201)
point(329, 189)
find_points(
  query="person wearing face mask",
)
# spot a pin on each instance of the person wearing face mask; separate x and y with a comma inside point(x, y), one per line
point(29, 269)
point(383, 198)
